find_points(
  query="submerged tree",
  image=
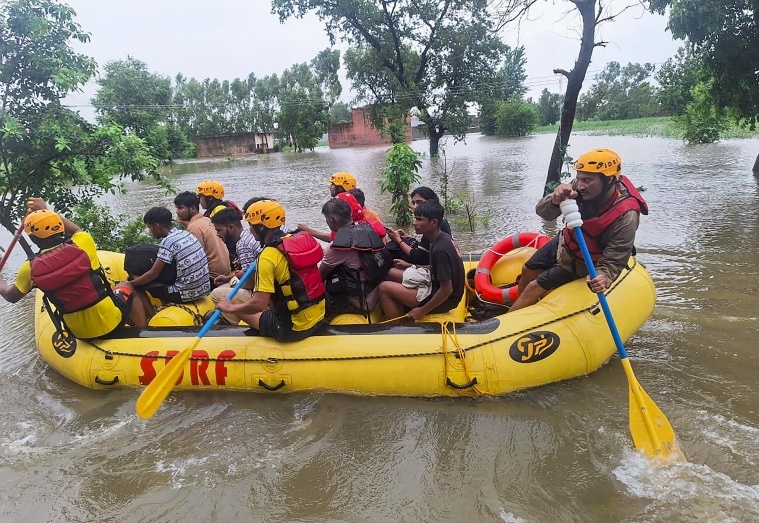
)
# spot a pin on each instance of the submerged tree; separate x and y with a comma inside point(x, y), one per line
point(427, 54)
point(45, 149)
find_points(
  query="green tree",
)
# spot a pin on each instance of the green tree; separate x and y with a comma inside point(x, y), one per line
point(428, 54)
point(515, 118)
point(724, 35)
point(702, 121)
point(677, 77)
point(304, 114)
point(132, 96)
point(340, 113)
point(620, 93)
point(46, 149)
point(508, 84)
point(549, 108)
point(325, 67)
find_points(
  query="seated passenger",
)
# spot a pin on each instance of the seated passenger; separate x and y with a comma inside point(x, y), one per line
point(211, 194)
point(446, 270)
point(188, 214)
point(68, 272)
point(286, 275)
point(370, 215)
point(193, 281)
point(354, 264)
point(229, 228)
point(405, 247)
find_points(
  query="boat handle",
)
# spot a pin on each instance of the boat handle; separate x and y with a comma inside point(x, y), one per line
point(464, 386)
point(265, 385)
point(114, 381)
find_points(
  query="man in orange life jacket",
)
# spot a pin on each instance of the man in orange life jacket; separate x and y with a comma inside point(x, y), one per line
point(287, 275)
point(67, 270)
point(610, 206)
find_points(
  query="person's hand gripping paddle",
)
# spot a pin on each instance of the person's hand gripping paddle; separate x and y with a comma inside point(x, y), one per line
point(650, 428)
point(158, 389)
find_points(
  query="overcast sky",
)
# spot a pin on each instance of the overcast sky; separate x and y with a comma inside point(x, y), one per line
point(226, 39)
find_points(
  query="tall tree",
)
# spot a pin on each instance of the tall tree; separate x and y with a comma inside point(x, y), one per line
point(432, 54)
point(508, 84)
point(46, 149)
point(620, 93)
point(725, 35)
point(325, 67)
point(592, 13)
point(549, 107)
point(304, 114)
point(677, 77)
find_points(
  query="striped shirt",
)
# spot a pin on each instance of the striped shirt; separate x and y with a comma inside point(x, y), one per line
point(193, 279)
point(248, 249)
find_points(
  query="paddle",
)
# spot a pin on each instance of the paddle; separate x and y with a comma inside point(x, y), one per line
point(157, 390)
point(13, 243)
point(651, 431)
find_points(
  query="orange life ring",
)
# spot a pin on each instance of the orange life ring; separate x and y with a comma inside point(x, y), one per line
point(482, 281)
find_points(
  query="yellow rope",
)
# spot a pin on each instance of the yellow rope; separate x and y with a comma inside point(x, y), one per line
point(453, 336)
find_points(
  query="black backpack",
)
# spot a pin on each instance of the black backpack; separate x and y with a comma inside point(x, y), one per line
point(139, 258)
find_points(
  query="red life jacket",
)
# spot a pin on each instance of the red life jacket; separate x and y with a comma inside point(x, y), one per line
point(592, 228)
point(303, 255)
point(65, 275)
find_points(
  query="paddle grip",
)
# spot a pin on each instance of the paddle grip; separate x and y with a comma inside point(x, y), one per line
point(572, 216)
point(217, 312)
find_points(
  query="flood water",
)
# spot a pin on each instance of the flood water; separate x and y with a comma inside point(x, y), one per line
point(560, 453)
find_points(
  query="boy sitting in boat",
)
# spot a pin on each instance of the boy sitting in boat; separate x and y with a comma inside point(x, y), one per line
point(286, 276)
point(354, 264)
point(446, 272)
point(177, 246)
point(68, 271)
point(610, 206)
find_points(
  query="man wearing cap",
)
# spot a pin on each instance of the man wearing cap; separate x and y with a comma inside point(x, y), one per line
point(287, 275)
point(610, 206)
point(67, 270)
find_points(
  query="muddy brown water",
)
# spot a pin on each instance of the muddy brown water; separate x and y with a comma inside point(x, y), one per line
point(557, 453)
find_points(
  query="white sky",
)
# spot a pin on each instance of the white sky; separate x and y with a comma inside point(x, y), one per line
point(226, 39)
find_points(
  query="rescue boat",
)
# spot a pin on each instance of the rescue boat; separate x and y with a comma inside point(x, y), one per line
point(563, 336)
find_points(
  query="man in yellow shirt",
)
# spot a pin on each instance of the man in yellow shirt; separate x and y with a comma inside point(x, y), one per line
point(68, 271)
point(287, 277)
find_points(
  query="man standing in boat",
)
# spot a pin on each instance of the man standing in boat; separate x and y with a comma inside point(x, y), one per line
point(68, 271)
point(610, 206)
point(287, 276)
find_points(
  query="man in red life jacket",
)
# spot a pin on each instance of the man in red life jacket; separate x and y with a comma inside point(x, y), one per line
point(287, 276)
point(610, 206)
point(68, 271)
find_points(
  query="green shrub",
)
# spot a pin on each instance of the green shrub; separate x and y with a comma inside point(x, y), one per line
point(516, 118)
point(111, 233)
point(401, 170)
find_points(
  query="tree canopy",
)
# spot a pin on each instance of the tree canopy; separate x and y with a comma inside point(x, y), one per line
point(46, 149)
point(429, 54)
point(724, 34)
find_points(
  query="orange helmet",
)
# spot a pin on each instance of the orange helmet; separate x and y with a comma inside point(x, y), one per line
point(268, 213)
point(345, 180)
point(43, 224)
point(211, 188)
point(600, 161)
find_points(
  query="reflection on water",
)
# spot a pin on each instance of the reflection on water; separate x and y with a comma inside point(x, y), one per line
point(558, 453)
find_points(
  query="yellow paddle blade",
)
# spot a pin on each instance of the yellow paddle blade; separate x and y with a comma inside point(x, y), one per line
point(157, 390)
point(650, 428)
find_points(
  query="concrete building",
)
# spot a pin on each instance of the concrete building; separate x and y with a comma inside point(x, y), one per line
point(238, 144)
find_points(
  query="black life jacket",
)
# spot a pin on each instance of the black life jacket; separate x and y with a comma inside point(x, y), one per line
point(65, 275)
point(139, 258)
point(305, 286)
point(376, 260)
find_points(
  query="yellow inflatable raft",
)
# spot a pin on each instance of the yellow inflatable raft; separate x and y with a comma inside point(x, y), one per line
point(564, 336)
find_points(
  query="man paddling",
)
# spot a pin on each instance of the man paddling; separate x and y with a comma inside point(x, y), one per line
point(610, 206)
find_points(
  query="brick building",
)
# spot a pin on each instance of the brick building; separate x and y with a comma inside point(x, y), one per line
point(359, 132)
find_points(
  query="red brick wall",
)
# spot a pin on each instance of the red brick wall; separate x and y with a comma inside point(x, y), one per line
point(357, 133)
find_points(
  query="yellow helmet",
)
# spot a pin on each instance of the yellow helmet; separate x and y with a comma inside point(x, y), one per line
point(43, 224)
point(345, 180)
point(211, 188)
point(600, 161)
point(268, 213)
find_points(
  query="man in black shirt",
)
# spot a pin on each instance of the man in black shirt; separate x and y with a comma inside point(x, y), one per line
point(446, 268)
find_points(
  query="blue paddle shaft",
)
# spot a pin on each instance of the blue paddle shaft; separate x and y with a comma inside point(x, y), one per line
point(217, 312)
point(601, 295)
